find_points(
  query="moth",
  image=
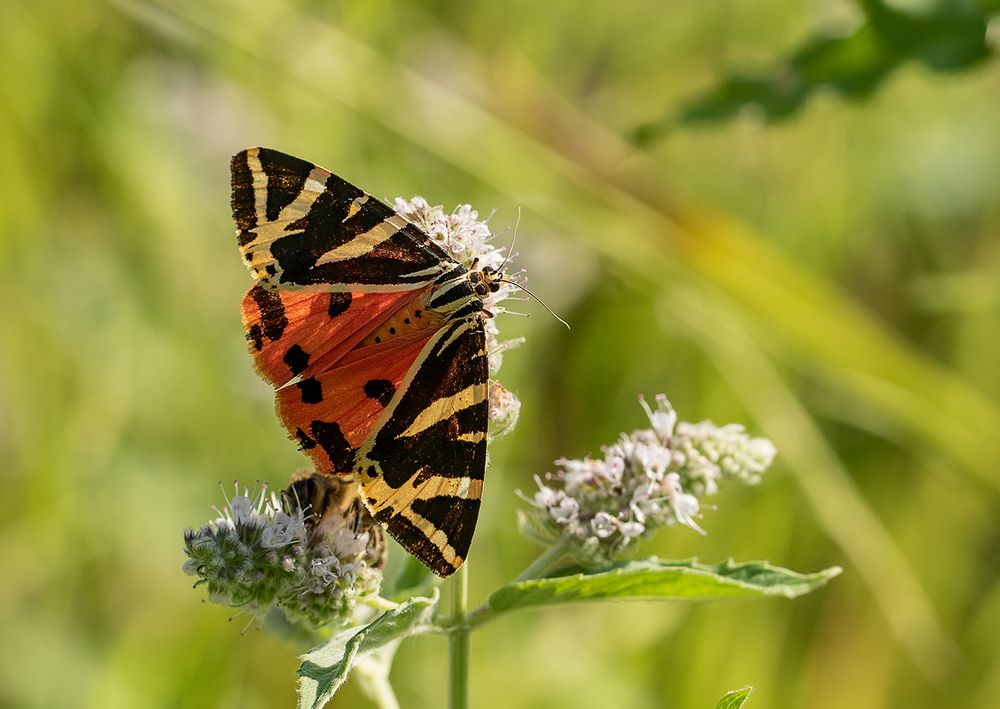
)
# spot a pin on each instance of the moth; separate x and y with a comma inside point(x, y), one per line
point(374, 340)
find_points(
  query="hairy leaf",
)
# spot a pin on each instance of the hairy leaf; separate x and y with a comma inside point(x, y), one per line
point(324, 669)
point(653, 579)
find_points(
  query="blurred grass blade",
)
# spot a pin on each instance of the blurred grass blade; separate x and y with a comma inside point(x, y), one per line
point(324, 670)
point(735, 699)
point(652, 579)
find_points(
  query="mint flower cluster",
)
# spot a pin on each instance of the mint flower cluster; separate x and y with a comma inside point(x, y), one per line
point(467, 239)
point(461, 233)
point(265, 552)
point(648, 479)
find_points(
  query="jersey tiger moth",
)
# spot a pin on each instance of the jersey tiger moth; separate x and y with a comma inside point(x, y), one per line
point(374, 339)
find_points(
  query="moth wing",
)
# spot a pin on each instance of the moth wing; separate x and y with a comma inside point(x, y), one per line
point(299, 334)
point(301, 227)
point(421, 470)
point(331, 413)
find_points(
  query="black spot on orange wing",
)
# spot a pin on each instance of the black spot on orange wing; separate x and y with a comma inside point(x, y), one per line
point(339, 303)
point(380, 389)
point(255, 335)
point(273, 320)
point(312, 390)
point(333, 443)
point(305, 442)
point(297, 359)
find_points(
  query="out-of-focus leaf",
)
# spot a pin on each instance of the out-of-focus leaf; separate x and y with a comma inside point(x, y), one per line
point(946, 37)
point(653, 579)
point(735, 699)
point(324, 669)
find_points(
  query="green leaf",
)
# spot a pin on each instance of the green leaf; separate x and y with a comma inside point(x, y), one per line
point(324, 669)
point(653, 579)
point(735, 699)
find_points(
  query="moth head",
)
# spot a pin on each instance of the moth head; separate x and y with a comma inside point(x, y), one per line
point(486, 281)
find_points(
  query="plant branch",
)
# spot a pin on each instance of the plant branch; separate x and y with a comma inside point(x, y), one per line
point(544, 562)
point(373, 675)
point(536, 569)
point(458, 642)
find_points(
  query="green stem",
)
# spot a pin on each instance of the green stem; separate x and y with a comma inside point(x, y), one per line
point(379, 603)
point(535, 569)
point(373, 675)
point(458, 642)
point(383, 695)
point(544, 562)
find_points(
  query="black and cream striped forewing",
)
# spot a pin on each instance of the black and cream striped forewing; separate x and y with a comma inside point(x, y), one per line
point(301, 227)
point(421, 470)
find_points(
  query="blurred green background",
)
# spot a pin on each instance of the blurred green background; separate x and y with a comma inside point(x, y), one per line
point(781, 212)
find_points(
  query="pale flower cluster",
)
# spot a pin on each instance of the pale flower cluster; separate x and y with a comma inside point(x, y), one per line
point(261, 552)
point(461, 233)
point(468, 239)
point(648, 479)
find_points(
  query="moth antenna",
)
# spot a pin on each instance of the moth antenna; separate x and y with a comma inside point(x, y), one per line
point(513, 240)
point(518, 285)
